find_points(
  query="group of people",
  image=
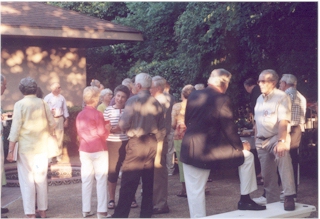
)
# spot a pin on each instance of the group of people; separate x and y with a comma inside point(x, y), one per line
point(136, 130)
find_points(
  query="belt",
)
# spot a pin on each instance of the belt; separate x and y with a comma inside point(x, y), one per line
point(264, 138)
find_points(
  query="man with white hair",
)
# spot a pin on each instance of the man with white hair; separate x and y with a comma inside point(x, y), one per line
point(142, 120)
point(288, 84)
point(160, 186)
point(273, 116)
point(212, 139)
point(58, 106)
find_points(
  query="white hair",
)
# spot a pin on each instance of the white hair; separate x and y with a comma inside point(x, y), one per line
point(199, 86)
point(159, 82)
point(95, 83)
point(144, 79)
point(54, 85)
point(91, 95)
point(274, 75)
point(105, 92)
point(127, 82)
point(290, 79)
point(219, 77)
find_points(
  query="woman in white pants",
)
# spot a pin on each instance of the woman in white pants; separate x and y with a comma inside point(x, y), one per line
point(32, 123)
point(92, 133)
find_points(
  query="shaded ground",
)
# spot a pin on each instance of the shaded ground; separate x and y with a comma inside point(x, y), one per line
point(65, 200)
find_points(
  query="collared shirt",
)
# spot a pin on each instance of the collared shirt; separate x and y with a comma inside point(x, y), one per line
point(270, 110)
point(143, 115)
point(167, 103)
point(58, 103)
point(299, 106)
point(91, 130)
point(30, 125)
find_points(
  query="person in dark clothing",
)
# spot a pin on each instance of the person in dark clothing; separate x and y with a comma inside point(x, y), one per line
point(211, 139)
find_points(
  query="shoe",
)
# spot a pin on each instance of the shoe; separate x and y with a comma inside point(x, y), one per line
point(260, 201)
point(282, 196)
point(111, 204)
point(134, 204)
point(87, 214)
point(289, 204)
point(103, 216)
point(161, 211)
point(252, 206)
point(4, 210)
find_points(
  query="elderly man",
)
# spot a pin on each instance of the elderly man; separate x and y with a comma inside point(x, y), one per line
point(160, 186)
point(288, 84)
point(273, 116)
point(58, 107)
point(142, 120)
point(212, 139)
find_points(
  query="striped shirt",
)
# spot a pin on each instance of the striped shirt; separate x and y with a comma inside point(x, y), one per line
point(298, 109)
point(113, 115)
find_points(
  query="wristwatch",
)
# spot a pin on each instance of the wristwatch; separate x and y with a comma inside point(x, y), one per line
point(281, 140)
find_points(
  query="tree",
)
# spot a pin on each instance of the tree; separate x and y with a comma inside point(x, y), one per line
point(185, 41)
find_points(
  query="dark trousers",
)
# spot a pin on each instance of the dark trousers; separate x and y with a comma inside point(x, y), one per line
point(295, 135)
point(138, 163)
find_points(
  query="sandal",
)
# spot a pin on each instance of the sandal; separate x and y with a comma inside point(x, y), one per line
point(134, 204)
point(111, 204)
point(182, 194)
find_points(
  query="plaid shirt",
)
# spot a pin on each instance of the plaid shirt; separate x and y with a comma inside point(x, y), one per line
point(298, 109)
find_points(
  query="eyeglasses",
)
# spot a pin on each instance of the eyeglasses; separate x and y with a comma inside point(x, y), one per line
point(264, 81)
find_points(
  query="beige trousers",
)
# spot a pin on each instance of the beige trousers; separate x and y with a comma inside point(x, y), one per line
point(32, 173)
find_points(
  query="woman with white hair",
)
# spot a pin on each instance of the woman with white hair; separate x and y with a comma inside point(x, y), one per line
point(105, 98)
point(32, 160)
point(92, 134)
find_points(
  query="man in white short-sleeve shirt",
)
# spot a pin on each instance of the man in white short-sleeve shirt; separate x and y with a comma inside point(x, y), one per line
point(58, 106)
point(273, 116)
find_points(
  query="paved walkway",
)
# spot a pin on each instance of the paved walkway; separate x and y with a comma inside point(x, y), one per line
point(65, 200)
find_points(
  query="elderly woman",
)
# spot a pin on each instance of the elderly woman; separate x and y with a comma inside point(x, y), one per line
point(32, 123)
point(105, 98)
point(177, 115)
point(92, 134)
point(116, 141)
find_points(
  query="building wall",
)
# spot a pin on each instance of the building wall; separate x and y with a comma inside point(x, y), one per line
point(46, 65)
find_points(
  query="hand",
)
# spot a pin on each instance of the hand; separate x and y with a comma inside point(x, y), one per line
point(10, 157)
point(65, 124)
point(246, 145)
point(115, 129)
point(280, 149)
point(108, 126)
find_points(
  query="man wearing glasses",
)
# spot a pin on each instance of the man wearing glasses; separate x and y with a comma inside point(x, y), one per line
point(273, 117)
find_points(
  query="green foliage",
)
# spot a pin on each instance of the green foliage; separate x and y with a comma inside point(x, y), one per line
point(185, 41)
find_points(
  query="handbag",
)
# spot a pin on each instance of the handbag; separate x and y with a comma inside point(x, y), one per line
point(52, 142)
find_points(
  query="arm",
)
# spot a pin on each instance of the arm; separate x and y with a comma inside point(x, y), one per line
point(281, 147)
point(65, 113)
point(51, 122)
